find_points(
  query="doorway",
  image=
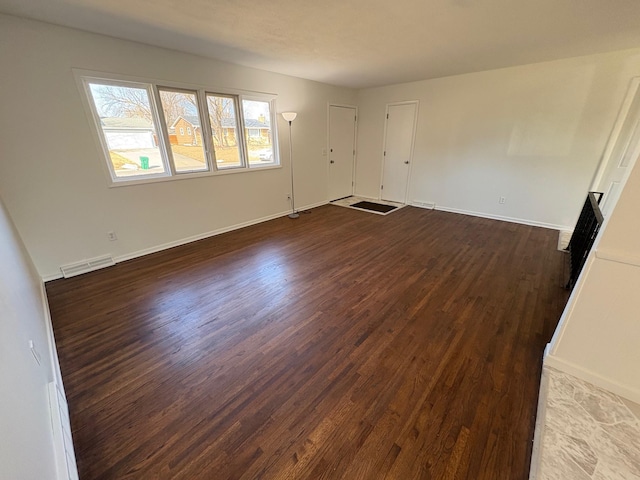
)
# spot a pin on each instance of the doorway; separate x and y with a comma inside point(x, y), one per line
point(342, 150)
point(400, 128)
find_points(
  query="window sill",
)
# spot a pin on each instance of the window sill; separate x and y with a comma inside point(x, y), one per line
point(185, 176)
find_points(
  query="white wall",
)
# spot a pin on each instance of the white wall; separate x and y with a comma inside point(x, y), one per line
point(533, 134)
point(51, 175)
point(598, 338)
point(26, 441)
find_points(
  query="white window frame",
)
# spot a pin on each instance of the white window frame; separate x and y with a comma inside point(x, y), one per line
point(152, 86)
point(272, 124)
point(243, 151)
point(165, 133)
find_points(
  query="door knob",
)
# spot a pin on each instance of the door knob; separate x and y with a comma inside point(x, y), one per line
point(331, 161)
point(406, 162)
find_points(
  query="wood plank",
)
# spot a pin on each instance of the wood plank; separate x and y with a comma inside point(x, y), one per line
point(339, 345)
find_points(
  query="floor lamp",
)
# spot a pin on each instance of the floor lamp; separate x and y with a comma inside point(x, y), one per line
point(290, 117)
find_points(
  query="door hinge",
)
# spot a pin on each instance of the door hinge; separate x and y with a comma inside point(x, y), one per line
point(381, 187)
point(384, 154)
point(387, 116)
point(355, 118)
point(354, 151)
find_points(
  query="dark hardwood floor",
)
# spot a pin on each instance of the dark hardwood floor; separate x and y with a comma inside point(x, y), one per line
point(340, 345)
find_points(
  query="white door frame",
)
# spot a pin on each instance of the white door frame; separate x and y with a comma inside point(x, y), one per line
point(355, 145)
point(384, 145)
point(633, 92)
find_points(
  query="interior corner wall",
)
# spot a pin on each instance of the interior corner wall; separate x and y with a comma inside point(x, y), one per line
point(51, 173)
point(533, 134)
point(26, 442)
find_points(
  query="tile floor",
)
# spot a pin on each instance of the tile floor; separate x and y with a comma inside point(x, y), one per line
point(588, 433)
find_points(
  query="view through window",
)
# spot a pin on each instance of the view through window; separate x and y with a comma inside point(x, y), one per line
point(158, 131)
point(126, 119)
point(186, 140)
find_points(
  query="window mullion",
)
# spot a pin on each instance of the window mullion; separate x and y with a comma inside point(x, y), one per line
point(274, 131)
point(167, 154)
point(241, 131)
point(210, 150)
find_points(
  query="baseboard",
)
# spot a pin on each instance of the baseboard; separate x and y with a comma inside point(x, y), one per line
point(51, 276)
point(194, 238)
point(521, 221)
point(625, 391)
point(564, 237)
point(425, 205)
point(310, 206)
point(65, 468)
point(538, 435)
point(366, 197)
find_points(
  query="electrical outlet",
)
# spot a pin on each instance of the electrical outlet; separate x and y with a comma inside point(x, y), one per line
point(112, 236)
point(502, 200)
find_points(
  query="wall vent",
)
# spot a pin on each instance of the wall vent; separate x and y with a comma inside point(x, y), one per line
point(86, 266)
point(429, 205)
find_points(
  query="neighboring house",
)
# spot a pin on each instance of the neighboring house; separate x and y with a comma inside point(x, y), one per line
point(188, 131)
point(258, 130)
point(128, 132)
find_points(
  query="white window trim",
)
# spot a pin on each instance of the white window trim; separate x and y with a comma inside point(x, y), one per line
point(274, 133)
point(242, 150)
point(165, 132)
point(84, 77)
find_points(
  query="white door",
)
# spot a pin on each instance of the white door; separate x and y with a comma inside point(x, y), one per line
point(398, 150)
point(342, 136)
point(622, 150)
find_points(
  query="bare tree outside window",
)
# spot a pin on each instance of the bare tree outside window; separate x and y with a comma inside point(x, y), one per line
point(181, 113)
point(152, 130)
point(116, 101)
point(221, 112)
point(126, 121)
point(224, 130)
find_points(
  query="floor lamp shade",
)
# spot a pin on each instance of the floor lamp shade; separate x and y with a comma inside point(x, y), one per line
point(290, 117)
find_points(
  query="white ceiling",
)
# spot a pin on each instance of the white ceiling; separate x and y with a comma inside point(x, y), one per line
point(358, 43)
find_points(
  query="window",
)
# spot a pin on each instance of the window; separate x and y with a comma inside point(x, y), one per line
point(138, 122)
point(257, 122)
point(125, 116)
point(224, 125)
point(182, 106)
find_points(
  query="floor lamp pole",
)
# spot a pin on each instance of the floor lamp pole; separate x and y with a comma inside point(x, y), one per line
point(289, 117)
